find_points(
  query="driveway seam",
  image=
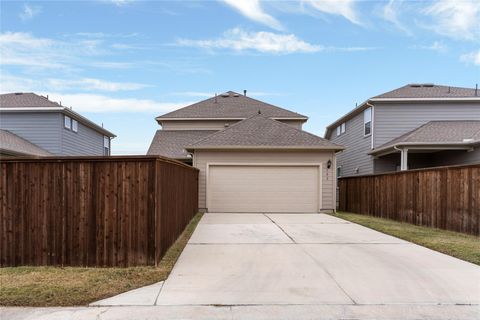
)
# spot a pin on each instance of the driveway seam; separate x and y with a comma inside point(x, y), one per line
point(293, 241)
point(158, 294)
point(314, 260)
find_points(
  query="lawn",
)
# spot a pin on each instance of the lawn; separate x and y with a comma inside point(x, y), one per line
point(459, 245)
point(69, 286)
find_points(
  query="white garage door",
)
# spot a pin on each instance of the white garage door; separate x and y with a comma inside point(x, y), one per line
point(245, 188)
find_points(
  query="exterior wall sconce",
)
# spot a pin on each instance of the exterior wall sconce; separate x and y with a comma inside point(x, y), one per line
point(329, 164)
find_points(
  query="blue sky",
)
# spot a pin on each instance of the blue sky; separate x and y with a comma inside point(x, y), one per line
point(121, 63)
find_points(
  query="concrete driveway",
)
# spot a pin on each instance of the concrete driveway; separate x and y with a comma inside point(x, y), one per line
point(311, 259)
point(292, 266)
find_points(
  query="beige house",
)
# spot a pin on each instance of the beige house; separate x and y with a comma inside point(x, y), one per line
point(252, 156)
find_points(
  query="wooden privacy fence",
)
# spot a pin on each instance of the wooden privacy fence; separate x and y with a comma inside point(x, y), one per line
point(93, 211)
point(444, 197)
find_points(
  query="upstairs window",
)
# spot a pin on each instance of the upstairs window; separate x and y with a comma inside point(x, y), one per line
point(74, 125)
point(341, 129)
point(106, 146)
point(367, 122)
point(67, 123)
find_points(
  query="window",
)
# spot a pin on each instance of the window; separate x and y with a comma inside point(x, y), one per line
point(68, 123)
point(341, 129)
point(106, 146)
point(74, 125)
point(367, 121)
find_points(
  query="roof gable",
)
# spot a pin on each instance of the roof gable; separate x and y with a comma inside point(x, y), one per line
point(11, 143)
point(230, 105)
point(261, 132)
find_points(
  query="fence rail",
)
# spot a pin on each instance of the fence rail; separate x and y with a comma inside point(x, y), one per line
point(445, 197)
point(93, 211)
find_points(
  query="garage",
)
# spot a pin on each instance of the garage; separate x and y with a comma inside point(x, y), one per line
point(263, 165)
point(264, 188)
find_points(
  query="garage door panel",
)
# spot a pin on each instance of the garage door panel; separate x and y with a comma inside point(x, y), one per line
point(263, 188)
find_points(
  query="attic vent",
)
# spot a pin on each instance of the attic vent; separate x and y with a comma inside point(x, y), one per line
point(428, 85)
point(225, 95)
point(415, 85)
point(236, 95)
point(18, 93)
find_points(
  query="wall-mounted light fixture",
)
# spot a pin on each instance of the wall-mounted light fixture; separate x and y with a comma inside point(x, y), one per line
point(329, 164)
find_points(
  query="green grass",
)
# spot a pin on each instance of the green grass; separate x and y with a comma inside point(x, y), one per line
point(459, 245)
point(69, 286)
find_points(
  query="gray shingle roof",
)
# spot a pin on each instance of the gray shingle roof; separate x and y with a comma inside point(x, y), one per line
point(438, 133)
point(25, 100)
point(230, 105)
point(259, 131)
point(172, 143)
point(429, 91)
point(11, 143)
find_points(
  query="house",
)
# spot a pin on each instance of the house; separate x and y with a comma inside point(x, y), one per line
point(252, 156)
point(415, 126)
point(33, 125)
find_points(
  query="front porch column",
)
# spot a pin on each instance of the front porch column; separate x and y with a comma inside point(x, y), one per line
point(404, 160)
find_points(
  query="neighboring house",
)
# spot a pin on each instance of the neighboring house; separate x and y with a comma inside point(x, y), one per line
point(252, 156)
point(56, 129)
point(415, 126)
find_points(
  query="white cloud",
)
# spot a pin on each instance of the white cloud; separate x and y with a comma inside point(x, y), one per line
point(93, 84)
point(344, 8)
point(437, 46)
point(253, 10)
point(119, 3)
point(267, 42)
point(471, 58)
point(96, 103)
point(29, 12)
point(456, 19)
point(391, 12)
point(11, 83)
point(24, 49)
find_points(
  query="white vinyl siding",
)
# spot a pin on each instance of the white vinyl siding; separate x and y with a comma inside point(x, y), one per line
point(357, 145)
point(202, 158)
point(393, 120)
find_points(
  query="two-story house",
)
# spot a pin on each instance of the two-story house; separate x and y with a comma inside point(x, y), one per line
point(252, 156)
point(415, 126)
point(31, 124)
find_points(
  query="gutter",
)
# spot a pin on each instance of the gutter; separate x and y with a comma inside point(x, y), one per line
point(292, 148)
point(425, 145)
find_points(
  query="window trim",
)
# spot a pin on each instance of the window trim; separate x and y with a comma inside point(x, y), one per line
point(67, 120)
point(339, 131)
point(343, 128)
point(74, 126)
point(366, 122)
